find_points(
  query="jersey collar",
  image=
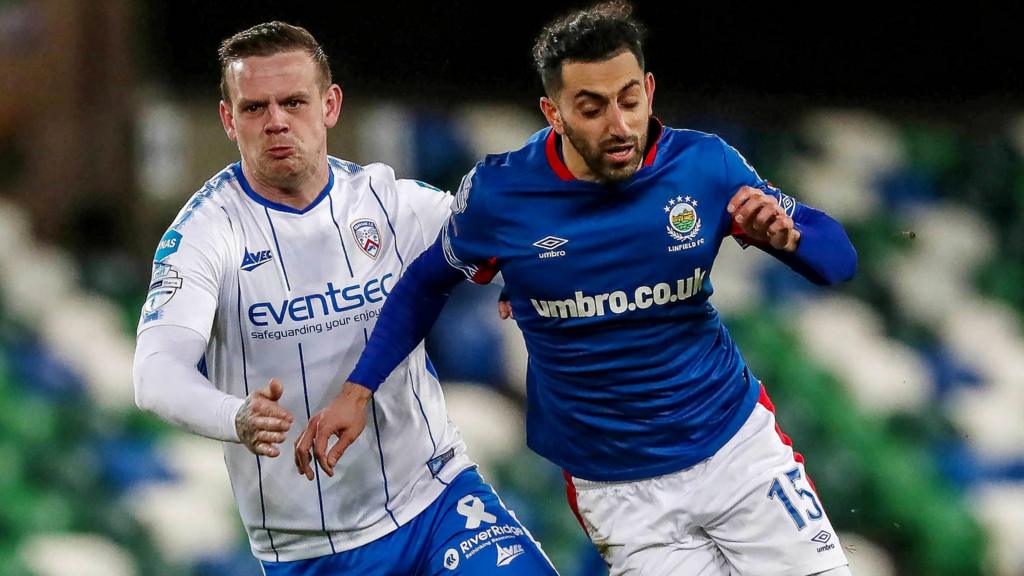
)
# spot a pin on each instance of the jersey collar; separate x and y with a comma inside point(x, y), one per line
point(553, 150)
point(236, 168)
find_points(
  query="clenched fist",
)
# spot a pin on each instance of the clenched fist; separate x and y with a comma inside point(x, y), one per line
point(762, 220)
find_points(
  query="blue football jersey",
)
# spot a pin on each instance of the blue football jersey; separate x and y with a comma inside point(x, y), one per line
point(631, 372)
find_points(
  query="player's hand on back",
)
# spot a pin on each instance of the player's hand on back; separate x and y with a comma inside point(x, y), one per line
point(344, 417)
point(762, 219)
point(261, 422)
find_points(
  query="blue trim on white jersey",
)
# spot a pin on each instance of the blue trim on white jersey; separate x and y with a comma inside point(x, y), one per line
point(316, 469)
point(394, 239)
point(380, 450)
point(212, 186)
point(263, 507)
point(280, 257)
point(245, 380)
point(433, 372)
point(344, 165)
point(387, 217)
point(412, 385)
point(430, 367)
point(241, 335)
point(240, 175)
point(330, 199)
point(384, 473)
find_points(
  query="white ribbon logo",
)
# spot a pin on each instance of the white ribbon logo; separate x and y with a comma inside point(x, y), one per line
point(473, 509)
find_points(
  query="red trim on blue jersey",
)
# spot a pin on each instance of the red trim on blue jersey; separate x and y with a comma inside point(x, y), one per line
point(652, 151)
point(486, 272)
point(736, 231)
point(562, 171)
point(765, 401)
point(570, 495)
point(551, 149)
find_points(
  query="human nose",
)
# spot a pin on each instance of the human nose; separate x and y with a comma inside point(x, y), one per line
point(276, 120)
point(617, 125)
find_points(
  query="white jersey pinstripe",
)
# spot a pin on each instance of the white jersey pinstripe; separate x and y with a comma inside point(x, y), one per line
point(292, 294)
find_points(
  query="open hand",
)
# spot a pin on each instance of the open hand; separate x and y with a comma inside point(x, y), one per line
point(261, 422)
point(345, 418)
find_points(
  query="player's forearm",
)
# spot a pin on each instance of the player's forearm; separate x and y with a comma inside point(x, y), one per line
point(168, 384)
point(824, 254)
point(410, 311)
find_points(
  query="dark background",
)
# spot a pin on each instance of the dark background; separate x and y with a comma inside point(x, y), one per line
point(834, 53)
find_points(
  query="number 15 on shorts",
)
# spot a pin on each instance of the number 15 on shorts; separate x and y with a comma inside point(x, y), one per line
point(806, 497)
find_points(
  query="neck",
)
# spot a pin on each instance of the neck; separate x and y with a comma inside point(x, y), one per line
point(298, 194)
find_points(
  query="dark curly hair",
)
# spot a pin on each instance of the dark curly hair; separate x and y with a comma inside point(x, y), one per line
point(592, 34)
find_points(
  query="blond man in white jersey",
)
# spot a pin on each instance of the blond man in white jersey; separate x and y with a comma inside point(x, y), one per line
point(270, 280)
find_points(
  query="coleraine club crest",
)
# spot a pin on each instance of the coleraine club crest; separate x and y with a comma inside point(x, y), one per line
point(367, 237)
point(683, 221)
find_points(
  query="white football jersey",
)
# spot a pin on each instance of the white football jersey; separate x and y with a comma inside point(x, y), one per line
point(294, 294)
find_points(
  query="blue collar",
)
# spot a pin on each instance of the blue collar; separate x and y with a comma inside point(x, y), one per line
point(236, 168)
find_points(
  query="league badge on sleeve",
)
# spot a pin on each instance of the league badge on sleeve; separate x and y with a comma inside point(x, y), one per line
point(683, 223)
point(166, 282)
point(367, 237)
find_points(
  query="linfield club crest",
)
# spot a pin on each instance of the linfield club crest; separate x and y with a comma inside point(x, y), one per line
point(683, 221)
point(367, 237)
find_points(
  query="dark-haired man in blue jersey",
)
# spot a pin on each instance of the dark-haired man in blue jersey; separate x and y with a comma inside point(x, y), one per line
point(605, 227)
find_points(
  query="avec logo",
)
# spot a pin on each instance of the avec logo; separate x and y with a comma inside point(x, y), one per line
point(253, 260)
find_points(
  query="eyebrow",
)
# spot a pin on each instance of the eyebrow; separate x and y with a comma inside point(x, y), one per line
point(588, 94)
point(301, 95)
point(245, 102)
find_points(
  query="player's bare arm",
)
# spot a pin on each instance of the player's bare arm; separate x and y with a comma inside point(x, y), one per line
point(261, 422)
point(763, 220)
point(344, 417)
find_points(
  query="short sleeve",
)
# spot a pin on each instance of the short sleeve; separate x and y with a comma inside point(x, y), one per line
point(468, 237)
point(430, 205)
point(187, 275)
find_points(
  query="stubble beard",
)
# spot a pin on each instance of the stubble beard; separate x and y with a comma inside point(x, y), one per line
point(593, 157)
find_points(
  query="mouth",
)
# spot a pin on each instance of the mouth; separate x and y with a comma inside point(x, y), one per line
point(620, 153)
point(280, 152)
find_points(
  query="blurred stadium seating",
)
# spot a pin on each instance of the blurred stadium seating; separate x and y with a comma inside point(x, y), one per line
point(903, 388)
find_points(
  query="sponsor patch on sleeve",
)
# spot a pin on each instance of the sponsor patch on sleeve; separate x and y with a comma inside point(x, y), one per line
point(168, 245)
point(428, 186)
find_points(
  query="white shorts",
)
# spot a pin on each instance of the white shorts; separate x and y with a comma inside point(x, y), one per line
point(748, 510)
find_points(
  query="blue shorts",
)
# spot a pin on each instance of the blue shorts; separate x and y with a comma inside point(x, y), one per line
point(467, 531)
